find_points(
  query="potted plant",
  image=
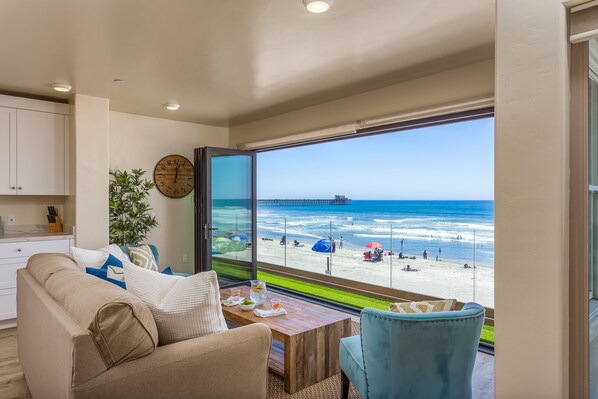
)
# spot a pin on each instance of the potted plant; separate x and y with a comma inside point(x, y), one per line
point(130, 216)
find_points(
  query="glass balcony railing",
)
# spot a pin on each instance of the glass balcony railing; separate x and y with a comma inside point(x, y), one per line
point(445, 263)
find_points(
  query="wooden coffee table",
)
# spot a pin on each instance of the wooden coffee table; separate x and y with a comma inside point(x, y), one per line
point(309, 335)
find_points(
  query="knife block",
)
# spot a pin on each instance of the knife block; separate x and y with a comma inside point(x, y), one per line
point(55, 227)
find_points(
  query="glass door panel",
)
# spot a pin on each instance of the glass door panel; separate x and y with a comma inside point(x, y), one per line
point(225, 219)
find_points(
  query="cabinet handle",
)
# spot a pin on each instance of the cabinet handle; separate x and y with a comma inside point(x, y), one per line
point(19, 250)
point(12, 187)
point(20, 188)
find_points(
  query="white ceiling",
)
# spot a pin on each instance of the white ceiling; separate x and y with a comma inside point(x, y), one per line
point(231, 61)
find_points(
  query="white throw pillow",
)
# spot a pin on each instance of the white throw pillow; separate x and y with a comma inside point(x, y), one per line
point(183, 307)
point(96, 257)
point(88, 258)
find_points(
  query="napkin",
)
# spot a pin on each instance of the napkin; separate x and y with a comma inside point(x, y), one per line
point(269, 313)
point(231, 301)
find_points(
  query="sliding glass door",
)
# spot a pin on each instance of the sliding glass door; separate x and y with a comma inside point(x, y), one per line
point(225, 214)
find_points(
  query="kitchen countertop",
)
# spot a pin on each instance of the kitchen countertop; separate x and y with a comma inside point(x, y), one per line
point(33, 233)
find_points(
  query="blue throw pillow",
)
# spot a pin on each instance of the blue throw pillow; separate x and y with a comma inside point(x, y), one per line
point(103, 274)
point(112, 261)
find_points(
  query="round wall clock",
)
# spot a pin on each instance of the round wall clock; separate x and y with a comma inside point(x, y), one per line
point(173, 176)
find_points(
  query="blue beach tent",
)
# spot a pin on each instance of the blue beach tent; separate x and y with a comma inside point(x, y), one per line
point(322, 246)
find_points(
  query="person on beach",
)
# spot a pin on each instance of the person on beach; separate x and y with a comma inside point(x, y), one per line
point(340, 243)
point(283, 239)
point(425, 254)
point(436, 258)
point(439, 251)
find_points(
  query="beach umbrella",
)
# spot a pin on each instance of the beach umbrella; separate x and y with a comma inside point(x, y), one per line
point(373, 244)
point(322, 245)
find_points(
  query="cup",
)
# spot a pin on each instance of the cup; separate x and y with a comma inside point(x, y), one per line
point(235, 293)
point(275, 305)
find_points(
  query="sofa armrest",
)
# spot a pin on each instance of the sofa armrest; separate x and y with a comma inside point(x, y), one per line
point(230, 364)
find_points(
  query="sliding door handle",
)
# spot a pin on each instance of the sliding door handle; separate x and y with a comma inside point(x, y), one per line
point(207, 230)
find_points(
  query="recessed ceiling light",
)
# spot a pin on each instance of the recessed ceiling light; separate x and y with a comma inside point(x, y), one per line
point(62, 87)
point(172, 106)
point(317, 6)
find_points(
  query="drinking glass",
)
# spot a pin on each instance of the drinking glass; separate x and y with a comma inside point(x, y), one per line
point(258, 291)
point(275, 304)
point(235, 293)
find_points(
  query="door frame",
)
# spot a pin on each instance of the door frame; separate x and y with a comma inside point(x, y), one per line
point(202, 198)
point(579, 224)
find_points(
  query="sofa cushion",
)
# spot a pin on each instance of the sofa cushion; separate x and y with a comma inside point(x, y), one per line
point(121, 325)
point(42, 266)
point(441, 305)
point(183, 307)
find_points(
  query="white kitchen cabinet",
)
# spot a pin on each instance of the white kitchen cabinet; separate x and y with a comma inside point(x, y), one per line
point(8, 147)
point(14, 256)
point(34, 147)
point(41, 145)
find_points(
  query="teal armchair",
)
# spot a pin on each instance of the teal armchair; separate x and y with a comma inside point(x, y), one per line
point(413, 355)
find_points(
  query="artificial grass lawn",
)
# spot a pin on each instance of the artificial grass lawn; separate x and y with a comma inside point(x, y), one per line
point(344, 297)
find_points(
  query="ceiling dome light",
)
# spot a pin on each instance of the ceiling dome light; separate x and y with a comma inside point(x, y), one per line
point(62, 87)
point(172, 106)
point(317, 6)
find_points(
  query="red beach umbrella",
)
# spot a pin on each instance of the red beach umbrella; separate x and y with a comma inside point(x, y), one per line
point(374, 244)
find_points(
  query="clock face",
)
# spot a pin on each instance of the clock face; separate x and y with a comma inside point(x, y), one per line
point(173, 176)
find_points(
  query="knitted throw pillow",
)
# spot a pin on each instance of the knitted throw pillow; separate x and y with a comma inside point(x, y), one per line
point(183, 307)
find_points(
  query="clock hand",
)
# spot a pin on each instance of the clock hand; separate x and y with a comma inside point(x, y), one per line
point(177, 173)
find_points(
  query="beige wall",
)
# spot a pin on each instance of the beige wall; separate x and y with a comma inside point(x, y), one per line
point(140, 142)
point(531, 194)
point(31, 209)
point(472, 81)
point(91, 171)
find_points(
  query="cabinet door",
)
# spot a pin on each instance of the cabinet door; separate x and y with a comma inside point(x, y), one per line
point(8, 148)
point(40, 153)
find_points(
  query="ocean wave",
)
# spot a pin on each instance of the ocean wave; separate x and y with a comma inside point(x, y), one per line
point(407, 220)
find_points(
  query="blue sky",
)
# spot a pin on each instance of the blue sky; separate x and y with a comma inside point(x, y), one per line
point(447, 162)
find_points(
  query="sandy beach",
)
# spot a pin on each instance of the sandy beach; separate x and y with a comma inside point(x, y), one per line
point(443, 278)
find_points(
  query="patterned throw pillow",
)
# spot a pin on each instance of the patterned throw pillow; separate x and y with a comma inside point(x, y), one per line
point(183, 307)
point(443, 305)
point(143, 257)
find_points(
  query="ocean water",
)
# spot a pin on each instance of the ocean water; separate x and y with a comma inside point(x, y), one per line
point(421, 225)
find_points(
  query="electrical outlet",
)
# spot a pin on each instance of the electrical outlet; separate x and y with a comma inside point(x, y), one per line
point(185, 258)
point(12, 220)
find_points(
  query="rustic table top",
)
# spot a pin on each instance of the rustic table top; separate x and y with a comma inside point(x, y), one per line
point(302, 316)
